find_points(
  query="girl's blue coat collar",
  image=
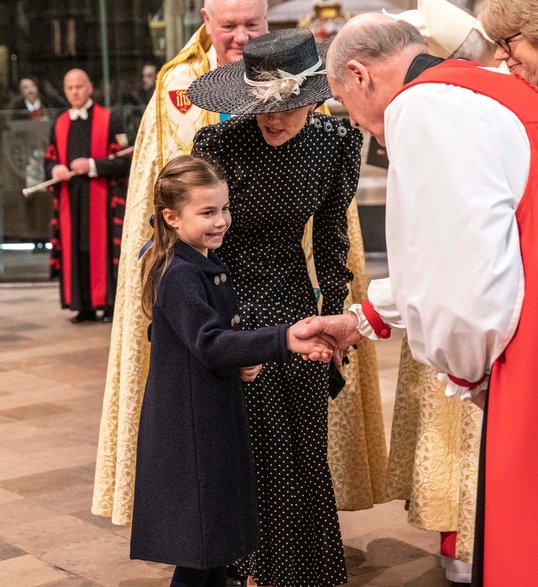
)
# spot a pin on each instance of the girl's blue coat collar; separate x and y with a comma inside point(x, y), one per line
point(211, 264)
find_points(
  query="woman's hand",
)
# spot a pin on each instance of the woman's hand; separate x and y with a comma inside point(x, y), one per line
point(250, 373)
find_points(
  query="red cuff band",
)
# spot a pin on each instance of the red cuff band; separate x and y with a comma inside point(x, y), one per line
point(380, 328)
point(464, 383)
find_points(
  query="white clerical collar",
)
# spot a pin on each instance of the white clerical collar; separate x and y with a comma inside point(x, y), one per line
point(82, 113)
point(31, 107)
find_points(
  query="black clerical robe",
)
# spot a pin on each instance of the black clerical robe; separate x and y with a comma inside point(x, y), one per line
point(88, 211)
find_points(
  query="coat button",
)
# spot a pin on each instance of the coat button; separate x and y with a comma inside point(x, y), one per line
point(342, 131)
point(217, 280)
point(223, 277)
point(317, 123)
point(328, 126)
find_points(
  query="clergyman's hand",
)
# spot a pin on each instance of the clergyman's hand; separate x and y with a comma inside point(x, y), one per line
point(80, 166)
point(314, 348)
point(61, 173)
point(342, 328)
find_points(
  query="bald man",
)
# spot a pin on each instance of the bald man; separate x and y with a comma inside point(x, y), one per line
point(89, 200)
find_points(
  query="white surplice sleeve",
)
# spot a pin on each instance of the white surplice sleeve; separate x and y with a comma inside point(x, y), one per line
point(459, 163)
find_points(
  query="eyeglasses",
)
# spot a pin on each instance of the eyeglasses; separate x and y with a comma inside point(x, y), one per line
point(505, 43)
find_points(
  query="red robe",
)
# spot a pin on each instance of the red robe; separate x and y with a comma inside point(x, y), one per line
point(511, 447)
point(106, 205)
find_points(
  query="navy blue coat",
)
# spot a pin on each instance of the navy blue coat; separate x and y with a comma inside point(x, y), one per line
point(195, 495)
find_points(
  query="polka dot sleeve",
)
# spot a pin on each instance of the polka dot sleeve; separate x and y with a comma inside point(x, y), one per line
point(208, 145)
point(331, 243)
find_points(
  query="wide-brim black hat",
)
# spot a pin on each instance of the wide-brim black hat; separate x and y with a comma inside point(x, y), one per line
point(281, 70)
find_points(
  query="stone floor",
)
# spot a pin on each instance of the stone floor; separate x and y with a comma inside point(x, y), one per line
point(51, 386)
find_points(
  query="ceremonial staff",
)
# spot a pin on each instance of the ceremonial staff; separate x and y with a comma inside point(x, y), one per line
point(41, 186)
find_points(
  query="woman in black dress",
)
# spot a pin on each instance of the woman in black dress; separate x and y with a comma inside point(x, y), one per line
point(285, 163)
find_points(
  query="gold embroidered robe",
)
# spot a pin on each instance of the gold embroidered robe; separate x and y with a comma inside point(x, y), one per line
point(434, 449)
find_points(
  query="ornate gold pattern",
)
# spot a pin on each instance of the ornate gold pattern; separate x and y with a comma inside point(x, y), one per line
point(433, 460)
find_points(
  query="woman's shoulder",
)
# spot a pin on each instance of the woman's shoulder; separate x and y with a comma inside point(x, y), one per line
point(337, 131)
point(331, 124)
point(216, 135)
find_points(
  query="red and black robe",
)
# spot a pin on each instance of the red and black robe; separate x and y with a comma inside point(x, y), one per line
point(88, 212)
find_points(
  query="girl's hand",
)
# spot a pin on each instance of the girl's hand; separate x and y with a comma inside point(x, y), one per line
point(250, 373)
point(319, 347)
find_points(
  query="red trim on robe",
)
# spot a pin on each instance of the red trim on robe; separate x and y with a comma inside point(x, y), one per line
point(464, 383)
point(376, 322)
point(98, 215)
point(99, 208)
point(64, 213)
point(51, 153)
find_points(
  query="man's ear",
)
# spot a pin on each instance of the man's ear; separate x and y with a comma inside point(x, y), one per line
point(206, 16)
point(170, 217)
point(359, 72)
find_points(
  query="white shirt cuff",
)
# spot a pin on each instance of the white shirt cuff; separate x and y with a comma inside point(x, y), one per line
point(454, 390)
point(364, 327)
point(93, 168)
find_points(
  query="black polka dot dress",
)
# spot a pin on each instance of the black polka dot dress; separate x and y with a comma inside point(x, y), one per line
point(273, 193)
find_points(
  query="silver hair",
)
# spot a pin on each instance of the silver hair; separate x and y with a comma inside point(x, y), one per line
point(374, 41)
point(475, 48)
point(209, 4)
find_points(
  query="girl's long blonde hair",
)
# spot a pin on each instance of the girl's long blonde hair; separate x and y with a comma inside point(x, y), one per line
point(172, 190)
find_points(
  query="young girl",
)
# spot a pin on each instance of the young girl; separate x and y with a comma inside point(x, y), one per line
point(195, 496)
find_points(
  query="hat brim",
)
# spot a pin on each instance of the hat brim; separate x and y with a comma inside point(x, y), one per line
point(224, 90)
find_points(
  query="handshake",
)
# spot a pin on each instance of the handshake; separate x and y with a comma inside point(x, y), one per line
point(322, 338)
point(317, 338)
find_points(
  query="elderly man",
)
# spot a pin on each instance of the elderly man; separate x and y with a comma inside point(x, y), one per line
point(439, 484)
point(462, 200)
point(87, 223)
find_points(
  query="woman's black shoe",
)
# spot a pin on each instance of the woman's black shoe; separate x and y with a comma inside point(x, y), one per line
point(84, 316)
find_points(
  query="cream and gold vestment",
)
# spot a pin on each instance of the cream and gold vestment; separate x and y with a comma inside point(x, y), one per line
point(167, 130)
point(434, 450)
